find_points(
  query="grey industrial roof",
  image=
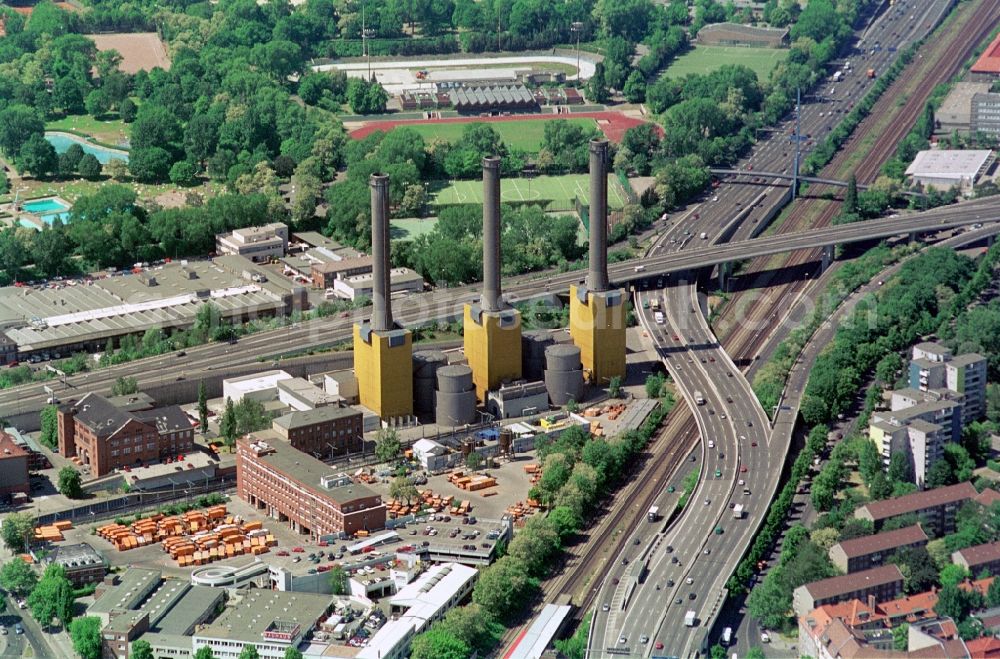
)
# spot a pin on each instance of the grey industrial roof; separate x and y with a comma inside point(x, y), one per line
point(319, 415)
point(79, 555)
point(490, 96)
point(128, 593)
point(97, 413)
point(166, 419)
point(258, 610)
point(949, 162)
point(192, 606)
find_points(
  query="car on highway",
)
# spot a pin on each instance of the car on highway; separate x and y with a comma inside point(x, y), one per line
point(673, 559)
point(764, 636)
point(671, 489)
point(689, 581)
point(707, 551)
point(718, 530)
point(718, 473)
point(753, 444)
point(18, 629)
point(622, 639)
point(606, 607)
point(669, 549)
point(678, 601)
point(691, 596)
point(644, 639)
point(744, 469)
point(670, 583)
point(659, 645)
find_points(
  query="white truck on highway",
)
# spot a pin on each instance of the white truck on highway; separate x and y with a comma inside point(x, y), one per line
point(738, 511)
point(689, 619)
point(660, 319)
point(698, 398)
point(654, 513)
point(837, 76)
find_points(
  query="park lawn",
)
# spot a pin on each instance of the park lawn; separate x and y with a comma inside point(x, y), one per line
point(524, 135)
point(556, 193)
point(705, 59)
point(411, 228)
point(111, 131)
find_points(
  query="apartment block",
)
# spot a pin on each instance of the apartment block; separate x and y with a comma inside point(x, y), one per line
point(985, 113)
point(935, 509)
point(919, 431)
point(979, 559)
point(934, 367)
point(873, 550)
point(104, 437)
point(324, 431)
point(294, 487)
point(881, 583)
point(255, 243)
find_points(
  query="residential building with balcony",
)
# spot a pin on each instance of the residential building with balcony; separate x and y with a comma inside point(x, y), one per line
point(871, 551)
point(935, 509)
point(882, 583)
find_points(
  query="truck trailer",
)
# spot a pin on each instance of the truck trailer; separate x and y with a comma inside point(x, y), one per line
point(689, 619)
point(653, 514)
point(738, 511)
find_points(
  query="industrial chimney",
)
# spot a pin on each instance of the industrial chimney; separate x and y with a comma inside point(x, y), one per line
point(491, 299)
point(381, 290)
point(383, 353)
point(597, 275)
point(491, 330)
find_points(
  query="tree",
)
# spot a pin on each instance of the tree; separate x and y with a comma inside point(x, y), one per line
point(141, 650)
point(387, 445)
point(718, 652)
point(939, 475)
point(654, 385)
point(149, 164)
point(50, 426)
point(597, 87)
point(52, 597)
point(899, 468)
point(338, 580)
point(565, 521)
point(850, 205)
point(204, 652)
point(123, 386)
point(635, 87)
point(952, 575)
point(900, 637)
point(97, 103)
point(202, 407)
point(249, 652)
point(615, 387)
point(127, 110)
point(290, 653)
point(228, 425)
point(534, 546)
point(17, 577)
point(953, 603)
point(70, 483)
point(86, 635)
point(437, 643)
point(917, 566)
point(474, 626)
point(474, 461)
point(17, 529)
point(401, 489)
point(183, 173)
point(38, 157)
point(503, 588)
point(250, 416)
point(18, 124)
point(366, 97)
point(89, 167)
point(117, 169)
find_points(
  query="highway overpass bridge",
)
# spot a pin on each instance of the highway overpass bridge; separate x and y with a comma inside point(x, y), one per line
point(789, 177)
point(947, 217)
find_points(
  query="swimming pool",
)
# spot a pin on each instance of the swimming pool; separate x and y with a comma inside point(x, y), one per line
point(39, 206)
point(104, 155)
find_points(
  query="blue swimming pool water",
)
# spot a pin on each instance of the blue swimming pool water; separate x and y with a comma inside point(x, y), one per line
point(62, 142)
point(51, 217)
point(44, 205)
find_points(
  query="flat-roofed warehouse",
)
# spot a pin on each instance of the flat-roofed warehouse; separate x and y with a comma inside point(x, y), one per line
point(85, 316)
point(946, 168)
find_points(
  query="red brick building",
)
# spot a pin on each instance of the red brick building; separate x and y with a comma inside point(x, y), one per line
point(13, 467)
point(324, 431)
point(105, 437)
point(293, 487)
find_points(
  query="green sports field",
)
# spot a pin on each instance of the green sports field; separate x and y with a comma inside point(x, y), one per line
point(556, 193)
point(523, 135)
point(704, 59)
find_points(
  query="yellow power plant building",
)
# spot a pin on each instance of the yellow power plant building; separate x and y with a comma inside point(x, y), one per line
point(596, 312)
point(383, 353)
point(492, 330)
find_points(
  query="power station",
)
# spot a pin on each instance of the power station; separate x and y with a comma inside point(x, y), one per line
point(492, 329)
point(596, 312)
point(383, 353)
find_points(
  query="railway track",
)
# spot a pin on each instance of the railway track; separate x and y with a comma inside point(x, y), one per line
point(935, 67)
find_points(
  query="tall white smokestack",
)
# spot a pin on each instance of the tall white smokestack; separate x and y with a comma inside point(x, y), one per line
point(597, 275)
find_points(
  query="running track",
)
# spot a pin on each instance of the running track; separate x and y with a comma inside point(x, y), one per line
point(612, 124)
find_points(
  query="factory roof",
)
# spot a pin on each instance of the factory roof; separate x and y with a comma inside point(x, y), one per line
point(315, 239)
point(541, 632)
point(305, 469)
point(129, 591)
point(97, 413)
point(305, 418)
point(949, 163)
point(257, 381)
point(74, 556)
point(343, 264)
point(957, 105)
point(989, 61)
point(847, 583)
point(23, 441)
point(870, 544)
point(193, 605)
point(911, 503)
point(396, 276)
point(166, 419)
point(431, 591)
point(267, 615)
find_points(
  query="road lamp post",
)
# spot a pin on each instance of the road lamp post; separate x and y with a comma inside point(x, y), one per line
point(576, 27)
point(366, 34)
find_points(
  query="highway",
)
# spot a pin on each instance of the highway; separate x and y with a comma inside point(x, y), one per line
point(635, 609)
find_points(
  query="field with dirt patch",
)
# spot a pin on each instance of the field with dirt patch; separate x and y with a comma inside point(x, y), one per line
point(141, 51)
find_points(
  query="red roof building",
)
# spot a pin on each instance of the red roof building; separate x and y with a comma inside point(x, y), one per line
point(989, 62)
point(986, 647)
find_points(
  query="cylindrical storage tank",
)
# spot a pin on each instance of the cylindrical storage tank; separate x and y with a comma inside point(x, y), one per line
point(533, 345)
point(563, 373)
point(506, 442)
point(456, 396)
point(425, 368)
